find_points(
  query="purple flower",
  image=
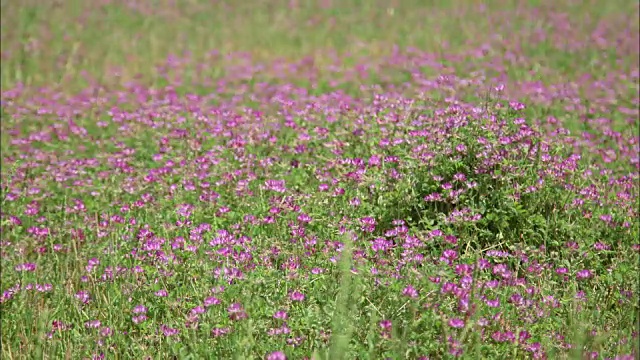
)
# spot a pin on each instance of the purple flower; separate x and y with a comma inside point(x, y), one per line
point(385, 325)
point(284, 329)
point(493, 303)
point(516, 105)
point(280, 314)
point(168, 331)
point(460, 177)
point(277, 355)
point(139, 319)
point(236, 312)
point(572, 245)
point(456, 323)
point(211, 300)
point(197, 310)
point(43, 287)
point(297, 296)
point(275, 185)
point(368, 220)
point(606, 218)
point(410, 291)
point(523, 336)
point(599, 246)
point(30, 267)
point(584, 274)
point(217, 332)
point(92, 324)
point(91, 264)
point(83, 296)
point(235, 307)
point(433, 197)
point(106, 332)
point(448, 256)
point(217, 289)
point(139, 309)
point(507, 336)
point(57, 325)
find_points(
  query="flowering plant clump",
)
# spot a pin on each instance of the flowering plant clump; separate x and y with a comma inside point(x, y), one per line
point(428, 184)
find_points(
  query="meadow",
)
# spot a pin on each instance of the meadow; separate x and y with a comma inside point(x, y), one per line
point(269, 179)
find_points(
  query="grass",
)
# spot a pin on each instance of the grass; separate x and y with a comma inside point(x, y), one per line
point(321, 180)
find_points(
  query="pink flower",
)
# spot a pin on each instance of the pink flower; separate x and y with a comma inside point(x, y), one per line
point(410, 291)
point(297, 296)
point(584, 274)
point(456, 323)
point(277, 355)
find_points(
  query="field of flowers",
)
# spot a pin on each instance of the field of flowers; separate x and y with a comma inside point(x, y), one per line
point(270, 179)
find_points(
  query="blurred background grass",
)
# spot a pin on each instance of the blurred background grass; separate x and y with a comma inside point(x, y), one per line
point(54, 42)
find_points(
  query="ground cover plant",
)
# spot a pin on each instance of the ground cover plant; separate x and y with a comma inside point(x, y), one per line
point(320, 180)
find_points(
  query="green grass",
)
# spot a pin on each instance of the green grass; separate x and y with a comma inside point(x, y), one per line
point(160, 61)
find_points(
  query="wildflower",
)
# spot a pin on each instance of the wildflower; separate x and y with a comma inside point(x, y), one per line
point(211, 300)
point(92, 324)
point(523, 336)
point(385, 325)
point(140, 309)
point(275, 185)
point(584, 274)
point(197, 310)
point(280, 314)
point(606, 218)
point(277, 355)
point(30, 267)
point(236, 312)
point(43, 287)
point(368, 224)
point(91, 264)
point(139, 319)
point(436, 232)
point(217, 289)
point(410, 291)
point(83, 296)
point(106, 332)
point(168, 331)
point(448, 256)
point(297, 296)
point(499, 336)
point(217, 332)
point(456, 323)
point(493, 303)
